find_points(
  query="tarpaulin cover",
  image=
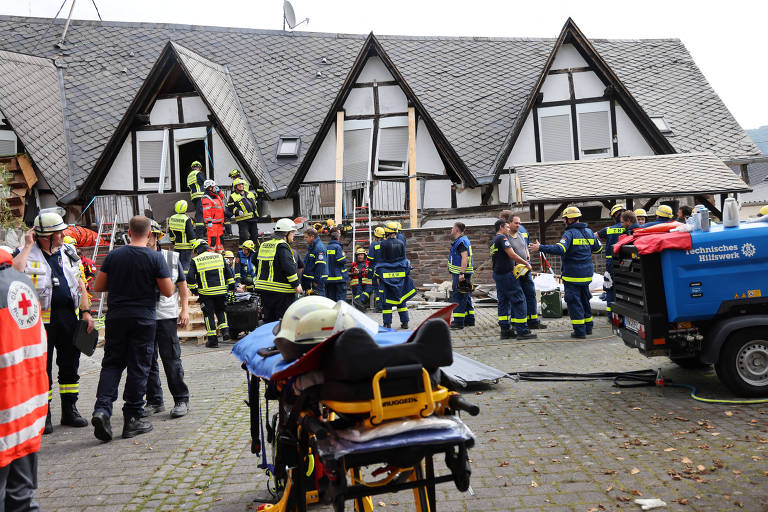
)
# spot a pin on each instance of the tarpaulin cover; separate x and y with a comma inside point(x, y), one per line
point(655, 242)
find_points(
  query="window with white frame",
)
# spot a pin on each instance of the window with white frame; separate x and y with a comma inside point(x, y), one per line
point(357, 154)
point(8, 142)
point(594, 125)
point(392, 147)
point(555, 133)
point(149, 149)
point(661, 124)
point(288, 146)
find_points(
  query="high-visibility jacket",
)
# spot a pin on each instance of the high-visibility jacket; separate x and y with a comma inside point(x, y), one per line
point(40, 274)
point(243, 206)
point(576, 248)
point(210, 275)
point(277, 267)
point(454, 256)
point(315, 267)
point(611, 235)
point(213, 209)
point(181, 230)
point(337, 262)
point(23, 379)
point(393, 270)
point(195, 182)
point(360, 273)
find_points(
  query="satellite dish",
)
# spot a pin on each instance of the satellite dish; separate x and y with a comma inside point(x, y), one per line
point(289, 17)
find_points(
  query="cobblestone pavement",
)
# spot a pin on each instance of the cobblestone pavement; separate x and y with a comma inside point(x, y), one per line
point(584, 446)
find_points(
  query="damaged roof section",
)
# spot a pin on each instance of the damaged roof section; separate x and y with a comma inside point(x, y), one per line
point(30, 98)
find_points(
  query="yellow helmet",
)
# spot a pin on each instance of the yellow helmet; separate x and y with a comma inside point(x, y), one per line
point(399, 226)
point(763, 211)
point(234, 173)
point(618, 207)
point(665, 211)
point(519, 270)
point(379, 232)
point(180, 206)
point(330, 223)
point(571, 213)
point(641, 213)
point(196, 164)
point(248, 244)
point(229, 254)
point(238, 181)
point(156, 228)
point(69, 240)
point(199, 245)
point(361, 250)
point(390, 226)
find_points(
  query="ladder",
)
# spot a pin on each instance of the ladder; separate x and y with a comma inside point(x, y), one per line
point(113, 225)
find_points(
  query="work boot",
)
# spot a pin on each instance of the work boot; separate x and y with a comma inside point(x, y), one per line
point(48, 423)
point(387, 326)
point(507, 334)
point(213, 342)
point(526, 336)
point(574, 334)
point(537, 325)
point(102, 428)
point(151, 409)
point(456, 326)
point(404, 325)
point(225, 334)
point(179, 409)
point(135, 426)
point(70, 416)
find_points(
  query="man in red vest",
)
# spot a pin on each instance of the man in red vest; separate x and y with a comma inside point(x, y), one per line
point(23, 387)
point(213, 215)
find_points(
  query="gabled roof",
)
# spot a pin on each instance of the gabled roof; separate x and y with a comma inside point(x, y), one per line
point(473, 88)
point(30, 99)
point(640, 176)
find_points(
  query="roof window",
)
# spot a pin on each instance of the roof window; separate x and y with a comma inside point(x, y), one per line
point(288, 146)
point(661, 124)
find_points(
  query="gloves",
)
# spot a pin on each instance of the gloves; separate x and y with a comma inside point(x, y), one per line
point(607, 281)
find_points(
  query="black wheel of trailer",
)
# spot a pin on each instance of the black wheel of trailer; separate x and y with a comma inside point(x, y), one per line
point(690, 363)
point(743, 362)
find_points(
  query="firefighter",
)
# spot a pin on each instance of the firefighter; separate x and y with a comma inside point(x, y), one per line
point(460, 267)
point(393, 268)
point(213, 215)
point(210, 278)
point(629, 222)
point(196, 184)
point(242, 204)
point(181, 232)
point(519, 244)
point(373, 258)
point(54, 269)
point(664, 214)
point(611, 235)
point(315, 264)
point(360, 278)
point(245, 265)
point(336, 285)
point(401, 236)
point(576, 248)
point(23, 387)
point(277, 279)
point(642, 217)
point(229, 259)
point(511, 307)
point(235, 174)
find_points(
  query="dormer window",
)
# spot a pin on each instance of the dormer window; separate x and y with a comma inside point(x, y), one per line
point(288, 146)
point(661, 124)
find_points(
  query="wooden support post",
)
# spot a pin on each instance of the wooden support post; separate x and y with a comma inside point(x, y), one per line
point(338, 195)
point(542, 225)
point(532, 208)
point(711, 207)
point(722, 200)
point(413, 184)
point(630, 204)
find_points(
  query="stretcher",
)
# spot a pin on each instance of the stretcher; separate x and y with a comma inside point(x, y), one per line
point(346, 432)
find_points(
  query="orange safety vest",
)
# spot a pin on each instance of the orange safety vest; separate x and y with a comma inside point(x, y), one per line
point(23, 379)
point(213, 209)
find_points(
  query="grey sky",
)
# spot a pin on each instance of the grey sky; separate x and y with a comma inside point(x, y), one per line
point(726, 39)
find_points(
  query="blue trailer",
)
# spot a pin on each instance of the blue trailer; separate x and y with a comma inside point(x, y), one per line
point(706, 305)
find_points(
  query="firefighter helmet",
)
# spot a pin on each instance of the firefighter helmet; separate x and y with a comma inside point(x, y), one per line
point(234, 173)
point(155, 228)
point(248, 244)
point(399, 226)
point(238, 181)
point(209, 183)
point(571, 213)
point(641, 213)
point(48, 223)
point(200, 246)
point(519, 270)
point(379, 232)
point(284, 226)
point(360, 250)
point(665, 211)
point(196, 164)
point(180, 206)
point(617, 208)
point(762, 211)
point(69, 240)
point(229, 254)
point(390, 226)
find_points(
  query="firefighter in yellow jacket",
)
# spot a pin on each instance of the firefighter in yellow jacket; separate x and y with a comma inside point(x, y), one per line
point(210, 277)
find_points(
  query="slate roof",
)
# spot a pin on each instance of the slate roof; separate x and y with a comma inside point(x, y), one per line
point(640, 176)
point(30, 100)
point(474, 88)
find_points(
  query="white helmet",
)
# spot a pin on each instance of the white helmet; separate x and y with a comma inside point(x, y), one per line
point(6, 249)
point(48, 223)
point(209, 183)
point(285, 226)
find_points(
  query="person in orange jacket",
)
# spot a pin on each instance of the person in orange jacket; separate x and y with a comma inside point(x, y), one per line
point(213, 215)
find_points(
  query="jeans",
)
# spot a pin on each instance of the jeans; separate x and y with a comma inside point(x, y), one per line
point(577, 299)
point(18, 480)
point(167, 346)
point(511, 308)
point(130, 343)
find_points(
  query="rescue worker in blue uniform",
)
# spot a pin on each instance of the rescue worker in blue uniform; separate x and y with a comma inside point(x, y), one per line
point(664, 214)
point(181, 230)
point(315, 264)
point(373, 259)
point(360, 278)
point(336, 285)
point(511, 300)
point(628, 221)
point(393, 269)
point(576, 248)
point(245, 265)
point(401, 236)
point(520, 245)
point(196, 185)
point(460, 266)
point(611, 235)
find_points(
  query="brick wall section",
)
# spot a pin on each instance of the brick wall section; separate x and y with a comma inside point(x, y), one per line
point(428, 250)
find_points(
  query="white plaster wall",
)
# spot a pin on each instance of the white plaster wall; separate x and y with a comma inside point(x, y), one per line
point(427, 159)
point(120, 175)
point(587, 85)
point(437, 194)
point(555, 88)
point(359, 102)
point(392, 99)
point(495, 197)
point(524, 150)
point(47, 200)
point(164, 111)
point(279, 208)
point(503, 188)
point(568, 57)
point(323, 167)
point(375, 69)
point(223, 161)
point(468, 197)
point(194, 109)
point(631, 142)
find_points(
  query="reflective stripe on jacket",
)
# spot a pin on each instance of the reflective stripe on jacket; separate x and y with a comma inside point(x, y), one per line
point(315, 267)
point(576, 247)
point(244, 205)
point(337, 262)
point(454, 256)
point(277, 271)
point(209, 274)
point(195, 181)
point(213, 209)
point(180, 226)
point(39, 273)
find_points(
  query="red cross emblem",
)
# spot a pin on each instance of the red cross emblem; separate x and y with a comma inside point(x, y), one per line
point(25, 303)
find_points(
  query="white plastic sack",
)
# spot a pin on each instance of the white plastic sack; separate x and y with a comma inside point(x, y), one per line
point(546, 282)
point(597, 282)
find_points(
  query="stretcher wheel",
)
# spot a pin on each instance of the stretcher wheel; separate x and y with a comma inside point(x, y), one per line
point(460, 467)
